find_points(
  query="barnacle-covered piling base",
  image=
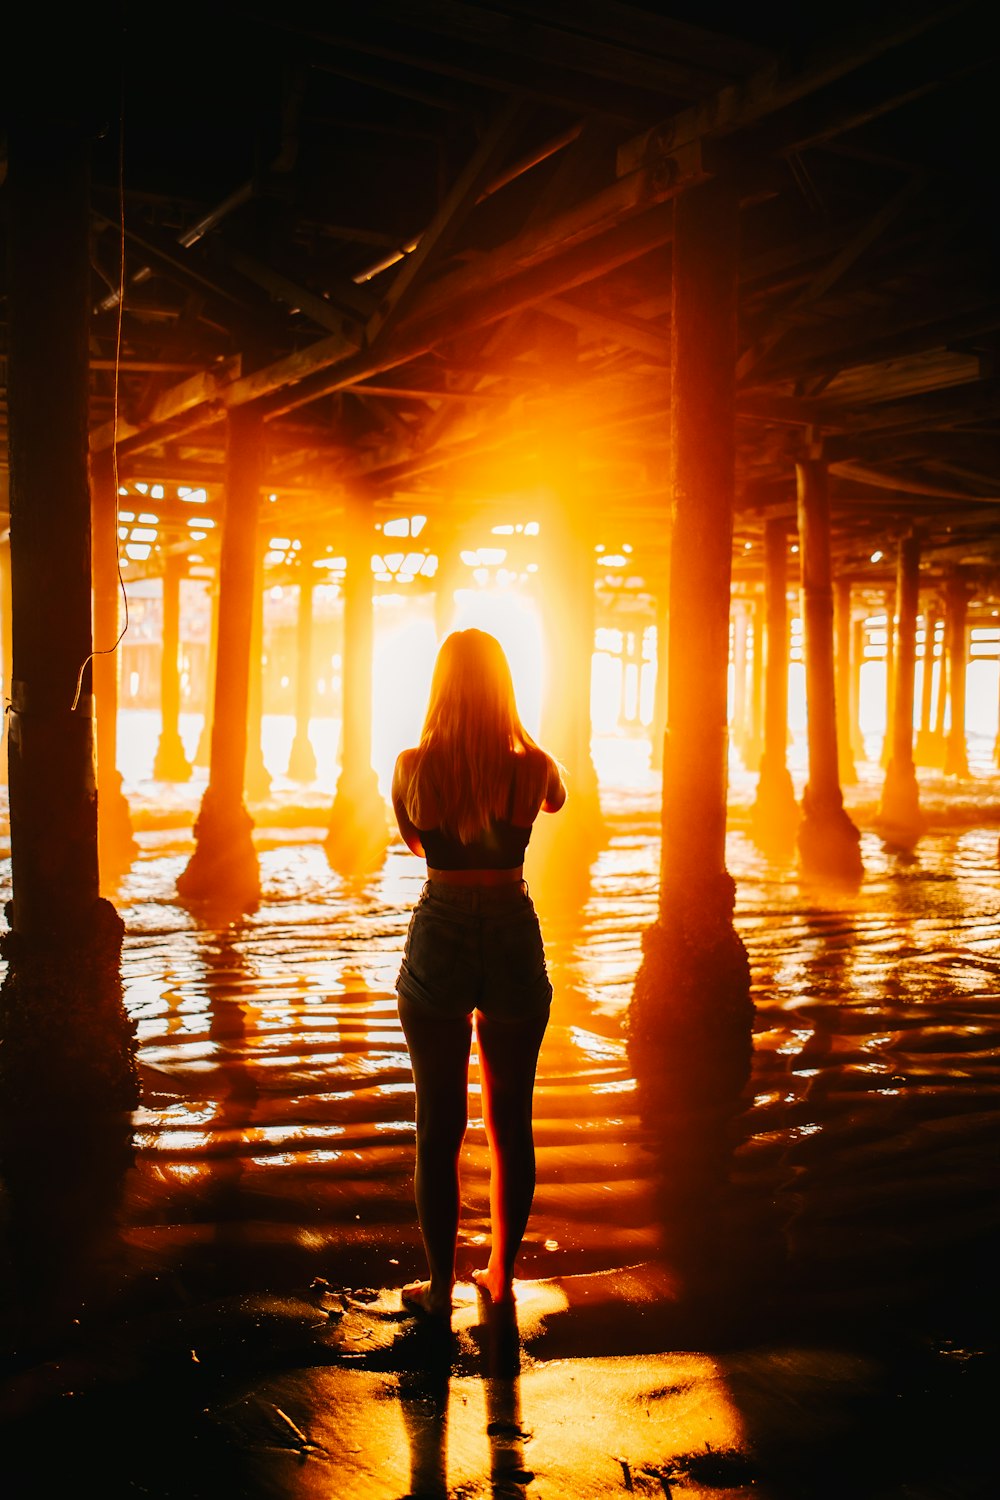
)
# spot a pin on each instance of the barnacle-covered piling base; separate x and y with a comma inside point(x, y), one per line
point(690, 1025)
point(66, 1040)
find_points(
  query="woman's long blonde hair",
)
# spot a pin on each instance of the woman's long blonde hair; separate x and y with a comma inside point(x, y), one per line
point(471, 730)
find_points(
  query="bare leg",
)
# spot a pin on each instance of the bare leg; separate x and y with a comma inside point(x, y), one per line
point(508, 1054)
point(439, 1055)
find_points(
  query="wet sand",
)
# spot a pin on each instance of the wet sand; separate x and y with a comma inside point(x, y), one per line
point(796, 1301)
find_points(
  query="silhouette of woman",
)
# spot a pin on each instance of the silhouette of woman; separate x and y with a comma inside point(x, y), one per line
point(465, 799)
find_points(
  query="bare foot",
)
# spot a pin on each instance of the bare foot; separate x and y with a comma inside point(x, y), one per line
point(494, 1285)
point(416, 1296)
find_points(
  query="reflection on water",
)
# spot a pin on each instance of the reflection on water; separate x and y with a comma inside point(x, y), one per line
point(274, 1141)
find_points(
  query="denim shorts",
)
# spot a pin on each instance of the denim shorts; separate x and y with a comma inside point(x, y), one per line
point(472, 948)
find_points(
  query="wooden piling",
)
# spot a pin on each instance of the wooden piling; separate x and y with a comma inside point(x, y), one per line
point(302, 756)
point(115, 840)
point(775, 816)
point(690, 1017)
point(829, 842)
point(899, 819)
point(956, 754)
point(358, 834)
point(223, 869)
point(842, 617)
point(66, 1041)
point(171, 762)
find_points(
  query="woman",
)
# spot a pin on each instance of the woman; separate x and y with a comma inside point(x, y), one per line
point(465, 799)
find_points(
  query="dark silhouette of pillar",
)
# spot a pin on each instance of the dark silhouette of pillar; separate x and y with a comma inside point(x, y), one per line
point(171, 762)
point(689, 1026)
point(5, 650)
point(956, 754)
point(223, 869)
point(899, 819)
point(115, 841)
point(923, 752)
point(358, 835)
point(775, 815)
point(569, 610)
point(858, 747)
point(755, 736)
point(66, 1042)
point(842, 617)
point(203, 754)
point(943, 695)
point(829, 842)
point(739, 726)
point(256, 776)
point(890, 674)
point(659, 725)
point(567, 537)
point(302, 756)
point(447, 578)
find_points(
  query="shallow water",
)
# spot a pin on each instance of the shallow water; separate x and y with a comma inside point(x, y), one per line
point(854, 1197)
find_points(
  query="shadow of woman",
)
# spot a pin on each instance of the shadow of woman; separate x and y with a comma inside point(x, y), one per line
point(501, 1342)
point(425, 1392)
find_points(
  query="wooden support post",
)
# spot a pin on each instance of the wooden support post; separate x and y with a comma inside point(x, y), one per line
point(829, 842)
point(302, 757)
point(446, 581)
point(690, 1018)
point(5, 647)
point(116, 844)
point(755, 739)
point(842, 613)
point(956, 755)
point(890, 674)
point(923, 753)
point(899, 819)
point(203, 754)
point(358, 835)
point(943, 695)
point(256, 776)
point(858, 748)
point(739, 729)
point(66, 1042)
point(223, 869)
point(171, 762)
point(658, 728)
point(775, 816)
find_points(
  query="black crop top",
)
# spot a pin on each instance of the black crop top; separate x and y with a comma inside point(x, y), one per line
point(499, 847)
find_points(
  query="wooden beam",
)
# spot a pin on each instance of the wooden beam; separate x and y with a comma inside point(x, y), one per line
point(783, 82)
point(629, 332)
point(828, 275)
point(459, 202)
